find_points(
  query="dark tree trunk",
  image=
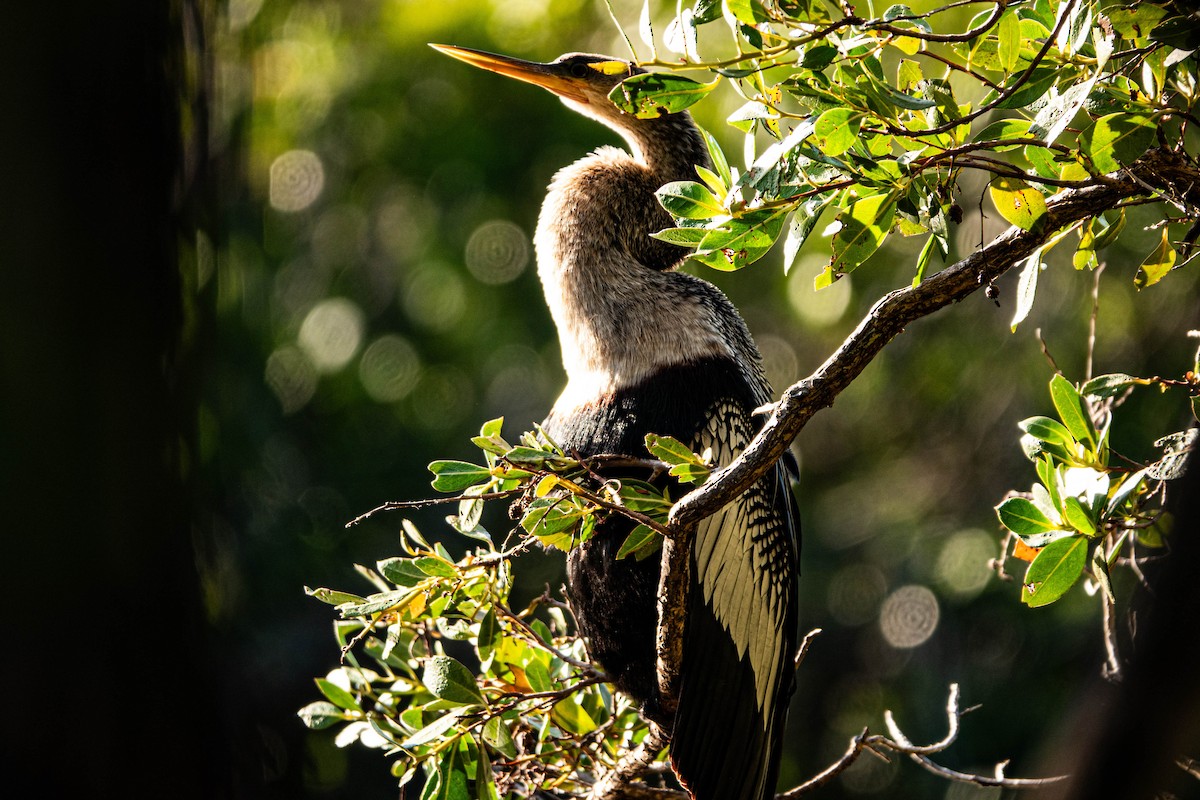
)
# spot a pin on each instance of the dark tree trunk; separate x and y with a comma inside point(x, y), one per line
point(103, 673)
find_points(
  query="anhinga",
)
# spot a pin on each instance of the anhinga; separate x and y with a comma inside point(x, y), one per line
point(648, 349)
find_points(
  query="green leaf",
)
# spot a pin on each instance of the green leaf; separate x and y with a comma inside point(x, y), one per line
point(670, 450)
point(1129, 486)
point(401, 571)
point(717, 156)
point(499, 738)
point(689, 200)
point(449, 680)
point(451, 783)
point(1100, 573)
point(1078, 516)
point(571, 715)
point(741, 241)
point(538, 676)
point(1048, 430)
point(454, 476)
point(337, 695)
point(658, 94)
point(1009, 46)
point(865, 224)
point(644, 498)
point(1136, 20)
point(1109, 233)
point(1018, 202)
point(641, 542)
point(489, 636)
point(1032, 90)
point(751, 12)
point(435, 567)
point(818, 56)
point(1002, 130)
point(1073, 410)
point(836, 130)
point(1055, 570)
point(320, 715)
point(1117, 139)
point(684, 237)
point(1023, 518)
point(1157, 264)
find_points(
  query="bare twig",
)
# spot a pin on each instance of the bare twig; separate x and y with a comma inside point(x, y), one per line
point(898, 742)
point(394, 505)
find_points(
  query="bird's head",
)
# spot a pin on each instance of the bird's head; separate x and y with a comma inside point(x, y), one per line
point(582, 80)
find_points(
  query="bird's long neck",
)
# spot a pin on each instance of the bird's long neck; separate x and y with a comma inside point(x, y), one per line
point(621, 313)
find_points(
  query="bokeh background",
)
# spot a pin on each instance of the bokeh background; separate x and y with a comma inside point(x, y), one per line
point(363, 294)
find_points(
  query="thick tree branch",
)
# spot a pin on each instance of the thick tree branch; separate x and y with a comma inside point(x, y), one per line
point(1158, 172)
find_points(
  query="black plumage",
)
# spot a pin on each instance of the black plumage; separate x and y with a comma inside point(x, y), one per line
point(651, 350)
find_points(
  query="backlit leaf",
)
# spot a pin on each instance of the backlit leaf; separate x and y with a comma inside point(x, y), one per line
point(864, 226)
point(1018, 202)
point(836, 130)
point(1073, 410)
point(1117, 139)
point(1157, 264)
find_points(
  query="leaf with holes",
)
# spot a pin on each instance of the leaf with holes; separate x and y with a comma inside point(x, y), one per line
point(1018, 202)
point(657, 94)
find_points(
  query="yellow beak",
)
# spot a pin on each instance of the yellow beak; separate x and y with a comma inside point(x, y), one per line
point(549, 76)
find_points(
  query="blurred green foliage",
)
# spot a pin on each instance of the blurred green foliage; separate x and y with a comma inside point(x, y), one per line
point(376, 298)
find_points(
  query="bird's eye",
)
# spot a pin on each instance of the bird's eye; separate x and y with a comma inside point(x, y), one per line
point(579, 70)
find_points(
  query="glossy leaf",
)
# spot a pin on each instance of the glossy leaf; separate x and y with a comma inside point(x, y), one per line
point(641, 542)
point(454, 476)
point(1055, 570)
point(689, 200)
point(1023, 517)
point(1073, 410)
point(1078, 516)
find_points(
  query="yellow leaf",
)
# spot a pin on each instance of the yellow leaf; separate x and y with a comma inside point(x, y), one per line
point(1018, 202)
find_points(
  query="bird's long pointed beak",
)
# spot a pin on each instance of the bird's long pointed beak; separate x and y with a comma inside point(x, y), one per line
point(548, 76)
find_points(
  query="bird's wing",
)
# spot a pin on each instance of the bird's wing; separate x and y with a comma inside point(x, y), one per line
point(740, 638)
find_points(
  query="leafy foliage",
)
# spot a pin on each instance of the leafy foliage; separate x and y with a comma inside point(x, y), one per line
point(442, 674)
point(1085, 512)
point(878, 119)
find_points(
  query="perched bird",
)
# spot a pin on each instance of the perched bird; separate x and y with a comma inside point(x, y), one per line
point(648, 349)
